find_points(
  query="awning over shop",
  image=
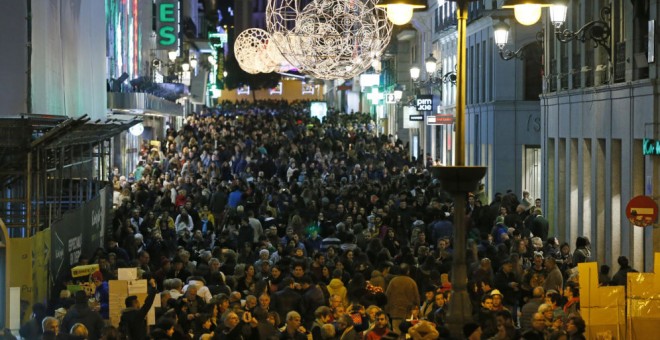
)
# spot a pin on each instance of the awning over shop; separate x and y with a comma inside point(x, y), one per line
point(83, 131)
point(140, 103)
point(27, 132)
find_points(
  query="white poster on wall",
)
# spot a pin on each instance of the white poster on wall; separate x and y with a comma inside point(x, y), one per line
point(352, 102)
point(408, 122)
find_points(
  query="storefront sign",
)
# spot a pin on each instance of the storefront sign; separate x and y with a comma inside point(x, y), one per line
point(650, 147)
point(424, 103)
point(441, 119)
point(167, 24)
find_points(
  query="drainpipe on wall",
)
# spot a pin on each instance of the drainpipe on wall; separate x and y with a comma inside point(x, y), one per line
point(28, 18)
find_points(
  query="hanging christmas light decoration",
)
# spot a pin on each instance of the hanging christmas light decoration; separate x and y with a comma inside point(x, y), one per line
point(329, 39)
point(249, 49)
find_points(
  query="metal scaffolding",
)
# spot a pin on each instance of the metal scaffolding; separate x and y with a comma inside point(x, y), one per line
point(52, 164)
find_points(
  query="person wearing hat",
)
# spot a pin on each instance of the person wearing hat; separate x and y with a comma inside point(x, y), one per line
point(101, 294)
point(535, 275)
point(508, 287)
point(497, 300)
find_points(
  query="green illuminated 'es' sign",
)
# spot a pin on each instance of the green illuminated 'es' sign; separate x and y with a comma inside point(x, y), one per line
point(650, 147)
point(167, 24)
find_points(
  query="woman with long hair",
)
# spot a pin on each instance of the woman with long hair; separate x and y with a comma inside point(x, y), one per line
point(246, 281)
point(356, 289)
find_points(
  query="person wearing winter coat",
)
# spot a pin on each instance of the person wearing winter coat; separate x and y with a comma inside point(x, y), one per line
point(401, 293)
point(81, 313)
point(133, 321)
point(336, 287)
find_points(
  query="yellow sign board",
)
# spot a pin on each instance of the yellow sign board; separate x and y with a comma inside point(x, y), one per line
point(85, 270)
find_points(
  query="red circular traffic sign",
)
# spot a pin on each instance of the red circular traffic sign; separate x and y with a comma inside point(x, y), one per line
point(642, 211)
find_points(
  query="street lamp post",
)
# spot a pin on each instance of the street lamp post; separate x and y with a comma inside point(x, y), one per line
point(435, 77)
point(596, 31)
point(459, 180)
point(501, 35)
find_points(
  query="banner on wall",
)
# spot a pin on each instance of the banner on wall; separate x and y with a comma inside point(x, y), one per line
point(79, 232)
point(40, 260)
point(21, 272)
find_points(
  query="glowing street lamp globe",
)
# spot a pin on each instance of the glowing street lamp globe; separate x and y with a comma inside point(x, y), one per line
point(400, 12)
point(527, 12)
point(501, 33)
point(430, 64)
point(558, 13)
point(414, 73)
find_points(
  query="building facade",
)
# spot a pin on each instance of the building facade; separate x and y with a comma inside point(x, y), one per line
point(599, 104)
point(567, 121)
point(503, 127)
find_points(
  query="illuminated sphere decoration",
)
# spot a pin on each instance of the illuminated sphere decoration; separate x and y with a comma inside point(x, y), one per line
point(276, 60)
point(249, 48)
point(256, 52)
point(329, 39)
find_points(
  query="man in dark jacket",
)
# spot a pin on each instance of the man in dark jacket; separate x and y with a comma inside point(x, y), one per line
point(621, 277)
point(81, 313)
point(133, 321)
point(312, 298)
point(539, 225)
point(286, 300)
point(505, 281)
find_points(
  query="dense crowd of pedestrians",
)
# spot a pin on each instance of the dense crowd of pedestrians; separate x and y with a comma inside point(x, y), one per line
point(255, 221)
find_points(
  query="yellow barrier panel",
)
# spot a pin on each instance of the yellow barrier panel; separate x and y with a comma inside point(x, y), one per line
point(602, 308)
point(643, 302)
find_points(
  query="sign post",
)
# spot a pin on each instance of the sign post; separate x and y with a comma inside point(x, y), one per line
point(642, 211)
